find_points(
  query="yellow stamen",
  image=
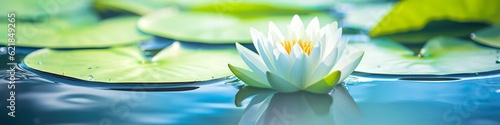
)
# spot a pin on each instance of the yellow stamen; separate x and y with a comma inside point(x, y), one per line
point(305, 45)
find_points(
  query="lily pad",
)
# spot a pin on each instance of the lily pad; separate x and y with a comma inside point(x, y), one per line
point(434, 29)
point(409, 15)
point(114, 31)
point(260, 6)
point(213, 28)
point(488, 36)
point(365, 16)
point(220, 6)
point(34, 9)
point(439, 56)
point(174, 64)
point(142, 7)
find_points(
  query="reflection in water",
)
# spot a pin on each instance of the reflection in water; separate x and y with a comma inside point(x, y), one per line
point(299, 108)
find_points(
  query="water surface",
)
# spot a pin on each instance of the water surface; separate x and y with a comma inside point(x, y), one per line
point(41, 99)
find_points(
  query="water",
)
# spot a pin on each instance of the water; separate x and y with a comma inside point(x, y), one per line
point(42, 99)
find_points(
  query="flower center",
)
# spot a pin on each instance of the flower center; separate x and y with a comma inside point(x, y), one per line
point(305, 45)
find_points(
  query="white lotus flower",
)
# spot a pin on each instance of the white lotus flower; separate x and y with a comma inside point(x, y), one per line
point(310, 59)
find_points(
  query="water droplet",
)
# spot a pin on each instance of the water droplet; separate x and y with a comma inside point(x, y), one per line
point(109, 80)
point(90, 78)
point(90, 68)
point(230, 77)
point(497, 62)
point(39, 62)
point(378, 66)
point(213, 77)
point(351, 80)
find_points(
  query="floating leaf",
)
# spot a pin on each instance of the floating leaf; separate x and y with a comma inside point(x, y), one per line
point(488, 36)
point(261, 6)
point(439, 56)
point(114, 31)
point(176, 63)
point(411, 15)
point(142, 7)
point(215, 28)
point(219, 6)
point(35, 9)
point(436, 28)
point(364, 16)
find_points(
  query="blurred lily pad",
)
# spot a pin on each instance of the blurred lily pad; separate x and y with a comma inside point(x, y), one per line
point(260, 6)
point(488, 36)
point(66, 34)
point(436, 28)
point(141, 7)
point(216, 28)
point(410, 15)
point(35, 9)
point(439, 56)
point(219, 6)
point(176, 63)
point(364, 16)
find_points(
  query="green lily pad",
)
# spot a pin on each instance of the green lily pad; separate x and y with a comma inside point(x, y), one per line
point(34, 9)
point(411, 15)
point(439, 56)
point(260, 6)
point(142, 7)
point(66, 34)
point(219, 6)
point(174, 64)
point(365, 16)
point(434, 29)
point(488, 36)
point(214, 28)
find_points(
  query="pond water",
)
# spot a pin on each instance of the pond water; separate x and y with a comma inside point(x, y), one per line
point(41, 99)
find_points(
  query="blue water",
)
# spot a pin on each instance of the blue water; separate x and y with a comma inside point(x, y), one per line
point(41, 99)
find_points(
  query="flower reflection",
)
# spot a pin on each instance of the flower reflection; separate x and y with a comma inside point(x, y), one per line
point(299, 108)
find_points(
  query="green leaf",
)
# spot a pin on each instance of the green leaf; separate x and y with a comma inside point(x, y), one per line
point(409, 15)
point(216, 28)
point(434, 29)
point(36, 9)
point(439, 56)
point(263, 6)
point(219, 6)
point(249, 77)
point(54, 34)
point(488, 36)
point(326, 84)
point(174, 64)
point(365, 16)
point(142, 7)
